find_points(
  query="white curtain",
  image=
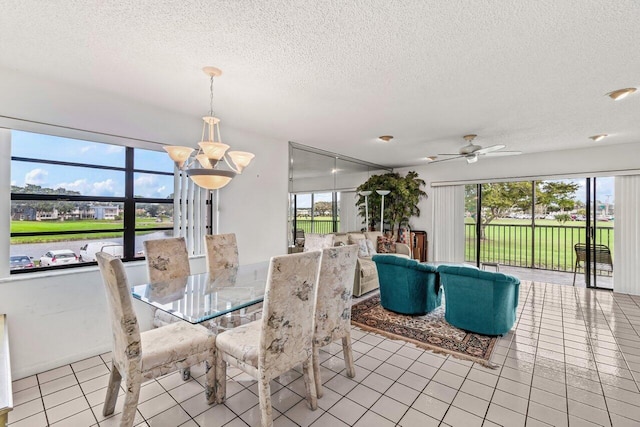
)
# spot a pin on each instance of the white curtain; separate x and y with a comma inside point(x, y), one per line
point(190, 213)
point(448, 223)
point(626, 252)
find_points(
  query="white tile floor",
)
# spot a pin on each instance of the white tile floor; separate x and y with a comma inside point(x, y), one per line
point(573, 358)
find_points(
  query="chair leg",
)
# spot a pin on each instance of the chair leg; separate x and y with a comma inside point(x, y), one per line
point(112, 391)
point(316, 371)
point(186, 374)
point(131, 399)
point(309, 383)
point(220, 385)
point(210, 382)
point(264, 396)
point(348, 355)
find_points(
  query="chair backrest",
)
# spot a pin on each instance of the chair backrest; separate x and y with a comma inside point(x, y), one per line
point(600, 255)
point(287, 316)
point(315, 242)
point(167, 259)
point(124, 324)
point(222, 251)
point(334, 292)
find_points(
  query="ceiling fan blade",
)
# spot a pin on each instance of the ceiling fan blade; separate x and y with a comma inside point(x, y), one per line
point(503, 153)
point(445, 160)
point(490, 149)
point(449, 154)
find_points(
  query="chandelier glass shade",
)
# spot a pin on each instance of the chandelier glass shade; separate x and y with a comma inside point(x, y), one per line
point(202, 167)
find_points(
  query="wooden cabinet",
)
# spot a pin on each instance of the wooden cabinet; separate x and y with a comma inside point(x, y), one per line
point(420, 245)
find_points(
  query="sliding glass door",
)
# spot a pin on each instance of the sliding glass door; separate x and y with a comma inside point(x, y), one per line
point(555, 225)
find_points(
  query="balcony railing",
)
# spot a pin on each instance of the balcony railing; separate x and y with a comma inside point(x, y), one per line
point(318, 226)
point(547, 247)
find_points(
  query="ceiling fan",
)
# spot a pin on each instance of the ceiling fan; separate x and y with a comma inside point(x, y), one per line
point(471, 152)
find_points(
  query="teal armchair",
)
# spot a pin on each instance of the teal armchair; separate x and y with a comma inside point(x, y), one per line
point(479, 301)
point(406, 286)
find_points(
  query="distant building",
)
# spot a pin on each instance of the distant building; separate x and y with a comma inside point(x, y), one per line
point(23, 213)
point(106, 212)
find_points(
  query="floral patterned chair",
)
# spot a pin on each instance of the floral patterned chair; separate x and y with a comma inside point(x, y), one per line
point(333, 306)
point(222, 264)
point(143, 356)
point(282, 339)
point(167, 259)
point(222, 252)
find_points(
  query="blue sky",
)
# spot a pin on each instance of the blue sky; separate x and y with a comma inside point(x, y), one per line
point(89, 182)
point(605, 187)
point(304, 200)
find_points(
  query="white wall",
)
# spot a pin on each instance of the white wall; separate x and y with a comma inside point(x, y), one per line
point(59, 317)
point(603, 160)
point(254, 205)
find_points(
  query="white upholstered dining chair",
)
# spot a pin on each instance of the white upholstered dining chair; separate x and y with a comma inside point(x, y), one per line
point(222, 265)
point(222, 252)
point(167, 259)
point(333, 306)
point(143, 356)
point(282, 339)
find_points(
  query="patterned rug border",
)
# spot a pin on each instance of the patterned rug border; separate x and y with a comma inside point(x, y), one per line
point(427, 346)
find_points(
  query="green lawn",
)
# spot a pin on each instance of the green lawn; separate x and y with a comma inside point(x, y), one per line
point(79, 226)
point(509, 241)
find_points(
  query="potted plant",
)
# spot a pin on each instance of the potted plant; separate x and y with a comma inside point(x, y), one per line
point(399, 205)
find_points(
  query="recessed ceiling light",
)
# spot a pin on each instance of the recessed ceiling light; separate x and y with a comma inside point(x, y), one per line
point(431, 158)
point(619, 94)
point(599, 137)
point(386, 138)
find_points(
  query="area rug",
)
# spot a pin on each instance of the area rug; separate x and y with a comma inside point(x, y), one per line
point(430, 331)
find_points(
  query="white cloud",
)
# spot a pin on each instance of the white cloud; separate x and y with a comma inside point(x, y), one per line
point(14, 183)
point(86, 148)
point(36, 177)
point(148, 185)
point(114, 149)
point(86, 188)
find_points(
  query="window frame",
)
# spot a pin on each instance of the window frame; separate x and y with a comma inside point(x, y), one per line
point(129, 202)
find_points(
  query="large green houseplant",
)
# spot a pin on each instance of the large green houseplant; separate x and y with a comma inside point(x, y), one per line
point(399, 205)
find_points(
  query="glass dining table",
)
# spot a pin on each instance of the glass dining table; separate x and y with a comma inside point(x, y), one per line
point(207, 296)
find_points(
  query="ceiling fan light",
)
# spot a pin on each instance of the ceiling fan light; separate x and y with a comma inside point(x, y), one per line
point(599, 137)
point(619, 94)
point(471, 158)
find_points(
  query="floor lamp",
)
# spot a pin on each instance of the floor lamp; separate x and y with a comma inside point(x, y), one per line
point(382, 193)
point(366, 194)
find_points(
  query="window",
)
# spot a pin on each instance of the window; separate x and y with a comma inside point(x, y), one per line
point(70, 198)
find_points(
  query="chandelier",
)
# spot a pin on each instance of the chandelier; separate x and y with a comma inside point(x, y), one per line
point(202, 167)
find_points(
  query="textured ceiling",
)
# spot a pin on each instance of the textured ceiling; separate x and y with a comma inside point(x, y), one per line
point(335, 75)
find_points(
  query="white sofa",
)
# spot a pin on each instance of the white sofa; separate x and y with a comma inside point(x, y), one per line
point(366, 278)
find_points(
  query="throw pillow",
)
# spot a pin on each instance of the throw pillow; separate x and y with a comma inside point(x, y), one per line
point(371, 247)
point(363, 251)
point(386, 245)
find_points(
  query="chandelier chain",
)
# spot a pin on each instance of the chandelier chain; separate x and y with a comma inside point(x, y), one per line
point(211, 97)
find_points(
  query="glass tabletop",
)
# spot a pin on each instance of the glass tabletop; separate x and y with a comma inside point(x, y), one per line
point(205, 296)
